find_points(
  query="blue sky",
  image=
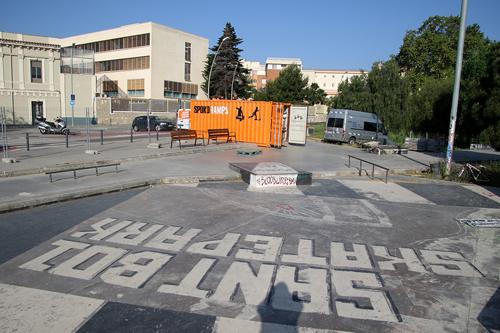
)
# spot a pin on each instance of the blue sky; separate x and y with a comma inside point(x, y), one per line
point(323, 34)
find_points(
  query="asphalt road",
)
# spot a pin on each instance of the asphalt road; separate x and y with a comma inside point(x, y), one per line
point(20, 137)
point(344, 254)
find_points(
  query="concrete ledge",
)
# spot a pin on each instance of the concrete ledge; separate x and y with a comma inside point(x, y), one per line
point(48, 199)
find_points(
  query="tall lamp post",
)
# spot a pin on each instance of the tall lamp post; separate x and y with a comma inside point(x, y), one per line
point(213, 62)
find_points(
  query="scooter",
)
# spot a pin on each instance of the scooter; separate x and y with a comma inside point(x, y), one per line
point(56, 127)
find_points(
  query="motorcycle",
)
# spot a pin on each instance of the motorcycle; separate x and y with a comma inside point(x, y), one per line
point(56, 127)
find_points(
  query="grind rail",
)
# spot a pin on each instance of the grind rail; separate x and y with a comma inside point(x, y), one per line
point(373, 167)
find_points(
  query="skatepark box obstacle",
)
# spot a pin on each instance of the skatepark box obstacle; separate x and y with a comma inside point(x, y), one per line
point(263, 123)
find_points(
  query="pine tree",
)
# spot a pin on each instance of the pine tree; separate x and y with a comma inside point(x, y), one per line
point(227, 73)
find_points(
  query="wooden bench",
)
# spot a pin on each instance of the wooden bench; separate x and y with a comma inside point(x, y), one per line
point(185, 135)
point(221, 132)
point(75, 168)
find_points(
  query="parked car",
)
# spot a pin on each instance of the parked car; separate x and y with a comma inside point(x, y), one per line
point(354, 126)
point(140, 123)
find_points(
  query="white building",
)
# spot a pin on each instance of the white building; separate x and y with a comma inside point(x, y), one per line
point(329, 79)
point(29, 77)
point(146, 60)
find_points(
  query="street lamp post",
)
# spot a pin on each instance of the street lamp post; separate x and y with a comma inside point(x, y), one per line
point(72, 106)
point(213, 62)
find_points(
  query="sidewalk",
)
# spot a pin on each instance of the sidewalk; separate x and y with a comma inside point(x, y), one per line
point(25, 185)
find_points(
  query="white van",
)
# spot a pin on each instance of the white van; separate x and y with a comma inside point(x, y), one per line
point(354, 126)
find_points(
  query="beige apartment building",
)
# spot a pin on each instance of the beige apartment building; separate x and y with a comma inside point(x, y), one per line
point(151, 65)
point(327, 79)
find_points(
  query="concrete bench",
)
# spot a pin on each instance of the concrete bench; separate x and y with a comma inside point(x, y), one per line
point(75, 168)
point(185, 135)
point(222, 132)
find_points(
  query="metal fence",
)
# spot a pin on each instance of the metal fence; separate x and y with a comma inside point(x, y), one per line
point(153, 105)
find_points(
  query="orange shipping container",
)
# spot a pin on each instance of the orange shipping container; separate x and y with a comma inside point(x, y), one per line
point(255, 122)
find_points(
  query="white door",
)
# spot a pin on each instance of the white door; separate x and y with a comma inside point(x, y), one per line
point(298, 125)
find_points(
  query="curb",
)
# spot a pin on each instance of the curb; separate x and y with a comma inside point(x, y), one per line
point(62, 167)
point(95, 191)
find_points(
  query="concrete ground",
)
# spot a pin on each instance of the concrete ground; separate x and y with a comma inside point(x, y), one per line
point(187, 253)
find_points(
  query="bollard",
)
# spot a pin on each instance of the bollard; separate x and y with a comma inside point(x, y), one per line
point(67, 144)
point(102, 137)
point(157, 135)
point(131, 135)
point(27, 142)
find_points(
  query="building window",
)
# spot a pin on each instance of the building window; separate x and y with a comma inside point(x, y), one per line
point(324, 84)
point(110, 88)
point(263, 81)
point(122, 64)
point(333, 85)
point(135, 87)
point(117, 43)
point(187, 72)
point(188, 51)
point(179, 89)
point(333, 76)
point(36, 71)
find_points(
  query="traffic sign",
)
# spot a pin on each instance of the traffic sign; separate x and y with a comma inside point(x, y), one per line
point(72, 102)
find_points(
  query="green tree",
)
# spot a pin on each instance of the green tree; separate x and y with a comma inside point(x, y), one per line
point(390, 95)
point(354, 94)
point(431, 106)
point(289, 87)
point(227, 72)
point(470, 122)
point(383, 91)
point(486, 103)
point(315, 95)
point(260, 95)
point(431, 51)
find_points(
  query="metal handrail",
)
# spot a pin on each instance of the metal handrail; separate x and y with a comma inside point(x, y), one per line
point(373, 167)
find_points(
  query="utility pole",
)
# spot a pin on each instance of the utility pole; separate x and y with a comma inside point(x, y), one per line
point(456, 86)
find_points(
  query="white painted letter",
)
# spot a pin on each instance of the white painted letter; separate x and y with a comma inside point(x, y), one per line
point(305, 255)
point(271, 247)
point(100, 232)
point(136, 269)
point(134, 235)
point(255, 287)
point(220, 248)
point(188, 286)
point(441, 261)
point(307, 293)
point(104, 257)
point(168, 240)
point(343, 283)
point(38, 264)
point(410, 259)
point(359, 258)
